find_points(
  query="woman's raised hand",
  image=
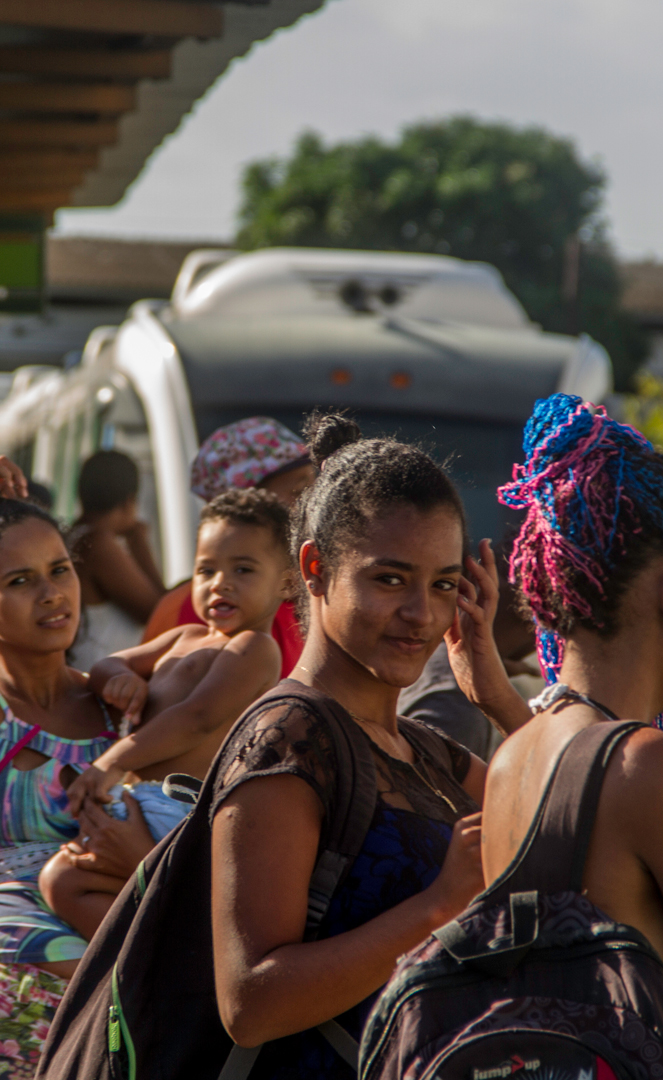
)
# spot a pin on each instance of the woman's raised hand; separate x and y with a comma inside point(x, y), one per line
point(461, 876)
point(13, 484)
point(473, 655)
point(472, 650)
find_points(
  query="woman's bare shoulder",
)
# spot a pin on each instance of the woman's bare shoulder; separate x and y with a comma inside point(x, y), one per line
point(639, 761)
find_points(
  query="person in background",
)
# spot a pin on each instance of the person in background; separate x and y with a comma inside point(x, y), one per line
point(256, 452)
point(437, 699)
point(40, 495)
point(120, 582)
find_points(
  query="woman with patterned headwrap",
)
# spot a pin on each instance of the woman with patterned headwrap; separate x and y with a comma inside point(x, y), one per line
point(255, 452)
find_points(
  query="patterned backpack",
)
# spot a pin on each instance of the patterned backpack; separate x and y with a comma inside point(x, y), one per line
point(532, 979)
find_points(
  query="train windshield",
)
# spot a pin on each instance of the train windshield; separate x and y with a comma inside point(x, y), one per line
point(478, 453)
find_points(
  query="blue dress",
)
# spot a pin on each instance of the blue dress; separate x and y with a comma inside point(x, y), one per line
point(402, 853)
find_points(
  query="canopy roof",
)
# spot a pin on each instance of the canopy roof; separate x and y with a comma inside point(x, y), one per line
point(88, 88)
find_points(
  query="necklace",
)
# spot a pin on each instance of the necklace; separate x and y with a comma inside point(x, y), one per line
point(556, 692)
point(363, 720)
point(428, 784)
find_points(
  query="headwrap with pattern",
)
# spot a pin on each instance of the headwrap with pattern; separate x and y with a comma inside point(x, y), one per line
point(243, 455)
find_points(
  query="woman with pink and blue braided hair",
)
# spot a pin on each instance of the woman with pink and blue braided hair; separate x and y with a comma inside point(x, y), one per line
point(593, 492)
point(588, 566)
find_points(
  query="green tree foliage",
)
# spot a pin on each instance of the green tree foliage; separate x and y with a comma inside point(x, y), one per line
point(644, 409)
point(509, 197)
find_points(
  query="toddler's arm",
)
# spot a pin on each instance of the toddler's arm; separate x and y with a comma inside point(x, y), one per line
point(248, 666)
point(121, 680)
point(139, 660)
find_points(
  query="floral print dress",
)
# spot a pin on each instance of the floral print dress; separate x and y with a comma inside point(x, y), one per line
point(28, 1000)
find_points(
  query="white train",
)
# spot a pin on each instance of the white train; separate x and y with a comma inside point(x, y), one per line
point(428, 347)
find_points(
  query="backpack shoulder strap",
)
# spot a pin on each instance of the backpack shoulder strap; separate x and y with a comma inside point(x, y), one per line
point(354, 809)
point(356, 796)
point(356, 789)
point(552, 856)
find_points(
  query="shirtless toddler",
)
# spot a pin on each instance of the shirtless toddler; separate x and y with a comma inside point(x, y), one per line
point(181, 693)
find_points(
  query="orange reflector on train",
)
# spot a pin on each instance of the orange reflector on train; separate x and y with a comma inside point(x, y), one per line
point(341, 376)
point(400, 380)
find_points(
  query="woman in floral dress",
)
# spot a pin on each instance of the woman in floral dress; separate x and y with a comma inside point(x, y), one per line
point(50, 724)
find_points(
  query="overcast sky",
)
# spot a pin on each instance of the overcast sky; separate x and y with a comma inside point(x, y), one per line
point(589, 69)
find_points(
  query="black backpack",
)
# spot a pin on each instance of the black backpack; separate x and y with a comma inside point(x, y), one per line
point(532, 978)
point(142, 1003)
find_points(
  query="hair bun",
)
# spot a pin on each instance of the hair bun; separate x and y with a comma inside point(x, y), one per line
point(325, 433)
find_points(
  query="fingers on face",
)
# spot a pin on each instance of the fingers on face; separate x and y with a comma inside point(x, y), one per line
point(485, 574)
point(453, 635)
point(470, 606)
point(479, 573)
point(488, 560)
point(467, 590)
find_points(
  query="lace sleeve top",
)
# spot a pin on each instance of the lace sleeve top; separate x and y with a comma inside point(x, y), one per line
point(416, 809)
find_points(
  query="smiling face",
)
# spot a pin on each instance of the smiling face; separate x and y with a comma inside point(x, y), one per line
point(240, 576)
point(39, 589)
point(393, 594)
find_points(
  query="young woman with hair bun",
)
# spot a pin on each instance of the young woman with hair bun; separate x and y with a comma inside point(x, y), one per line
point(588, 563)
point(381, 543)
